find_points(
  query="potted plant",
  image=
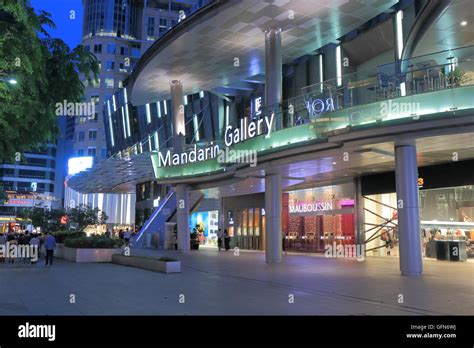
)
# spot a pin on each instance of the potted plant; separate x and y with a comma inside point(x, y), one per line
point(455, 78)
point(194, 240)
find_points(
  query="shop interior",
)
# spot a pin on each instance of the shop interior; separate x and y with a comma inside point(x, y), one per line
point(447, 223)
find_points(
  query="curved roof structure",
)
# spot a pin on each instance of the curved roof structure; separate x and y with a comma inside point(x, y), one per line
point(223, 43)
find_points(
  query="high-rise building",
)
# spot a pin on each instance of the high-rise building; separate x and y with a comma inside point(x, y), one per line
point(29, 182)
point(117, 32)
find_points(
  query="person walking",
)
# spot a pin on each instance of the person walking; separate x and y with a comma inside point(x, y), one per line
point(219, 239)
point(11, 240)
point(226, 240)
point(3, 241)
point(35, 243)
point(49, 246)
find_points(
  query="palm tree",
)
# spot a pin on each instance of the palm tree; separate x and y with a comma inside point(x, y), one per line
point(86, 63)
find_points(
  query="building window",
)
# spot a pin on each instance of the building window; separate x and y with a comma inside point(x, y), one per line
point(109, 65)
point(80, 152)
point(91, 151)
point(95, 99)
point(123, 51)
point(163, 25)
point(111, 48)
point(92, 134)
point(98, 48)
point(81, 136)
point(136, 51)
point(87, 48)
point(151, 27)
point(93, 84)
point(109, 83)
point(120, 84)
point(104, 153)
point(96, 117)
point(122, 68)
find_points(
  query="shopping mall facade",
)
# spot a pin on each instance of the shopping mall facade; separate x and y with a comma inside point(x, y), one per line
point(314, 124)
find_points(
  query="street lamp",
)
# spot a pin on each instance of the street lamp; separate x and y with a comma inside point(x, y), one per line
point(10, 80)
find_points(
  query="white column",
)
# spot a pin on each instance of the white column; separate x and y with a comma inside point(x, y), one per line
point(273, 235)
point(273, 73)
point(182, 216)
point(359, 215)
point(409, 234)
point(177, 106)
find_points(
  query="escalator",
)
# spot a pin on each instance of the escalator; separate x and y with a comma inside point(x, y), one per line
point(165, 212)
point(157, 220)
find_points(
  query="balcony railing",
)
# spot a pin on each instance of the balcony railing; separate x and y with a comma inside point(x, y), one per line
point(395, 82)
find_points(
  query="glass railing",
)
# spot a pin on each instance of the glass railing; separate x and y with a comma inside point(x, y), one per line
point(386, 89)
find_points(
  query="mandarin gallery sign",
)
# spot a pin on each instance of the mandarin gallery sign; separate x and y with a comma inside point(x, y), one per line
point(247, 130)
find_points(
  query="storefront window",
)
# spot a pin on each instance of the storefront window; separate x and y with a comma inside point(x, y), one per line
point(319, 217)
point(238, 223)
point(257, 222)
point(250, 224)
point(244, 223)
point(206, 224)
point(446, 214)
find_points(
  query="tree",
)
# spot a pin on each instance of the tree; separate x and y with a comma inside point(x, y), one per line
point(3, 195)
point(47, 220)
point(46, 72)
point(84, 216)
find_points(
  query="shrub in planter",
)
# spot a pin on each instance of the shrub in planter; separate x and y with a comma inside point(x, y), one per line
point(61, 236)
point(94, 242)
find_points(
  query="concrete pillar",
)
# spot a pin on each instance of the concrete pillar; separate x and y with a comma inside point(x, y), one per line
point(182, 216)
point(177, 107)
point(359, 216)
point(273, 74)
point(222, 215)
point(406, 176)
point(273, 235)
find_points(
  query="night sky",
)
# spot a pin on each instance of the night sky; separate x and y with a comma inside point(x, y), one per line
point(69, 30)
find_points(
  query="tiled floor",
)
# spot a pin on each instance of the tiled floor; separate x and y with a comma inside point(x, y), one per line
point(215, 282)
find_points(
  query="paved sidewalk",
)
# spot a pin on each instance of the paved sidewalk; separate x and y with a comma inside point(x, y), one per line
point(215, 282)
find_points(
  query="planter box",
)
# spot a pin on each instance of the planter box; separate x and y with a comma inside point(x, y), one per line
point(90, 255)
point(59, 251)
point(148, 263)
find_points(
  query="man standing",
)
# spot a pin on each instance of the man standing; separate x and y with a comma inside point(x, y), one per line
point(49, 246)
point(127, 236)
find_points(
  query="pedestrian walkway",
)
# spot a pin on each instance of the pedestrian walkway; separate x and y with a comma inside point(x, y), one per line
point(222, 283)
